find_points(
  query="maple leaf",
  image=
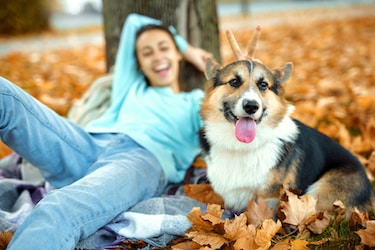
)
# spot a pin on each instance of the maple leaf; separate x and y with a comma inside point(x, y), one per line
point(298, 209)
point(203, 193)
point(213, 240)
point(319, 222)
point(258, 211)
point(266, 233)
point(236, 228)
point(242, 234)
point(196, 220)
point(246, 240)
point(300, 244)
point(367, 235)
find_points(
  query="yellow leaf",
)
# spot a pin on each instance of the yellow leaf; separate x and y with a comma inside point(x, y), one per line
point(299, 244)
point(266, 232)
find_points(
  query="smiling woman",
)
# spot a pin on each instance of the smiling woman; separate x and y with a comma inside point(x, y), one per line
point(158, 56)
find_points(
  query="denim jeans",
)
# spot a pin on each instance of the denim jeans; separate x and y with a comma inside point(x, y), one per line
point(97, 176)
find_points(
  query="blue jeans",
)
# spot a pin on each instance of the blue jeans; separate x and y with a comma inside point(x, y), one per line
point(97, 176)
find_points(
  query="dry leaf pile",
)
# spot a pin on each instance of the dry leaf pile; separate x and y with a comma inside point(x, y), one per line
point(298, 223)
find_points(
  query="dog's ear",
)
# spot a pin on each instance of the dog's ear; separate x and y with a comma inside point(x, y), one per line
point(212, 67)
point(283, 73)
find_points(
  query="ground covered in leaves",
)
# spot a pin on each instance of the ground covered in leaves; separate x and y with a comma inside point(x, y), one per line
point(332, 87)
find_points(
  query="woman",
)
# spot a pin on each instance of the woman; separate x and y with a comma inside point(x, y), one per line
point(147, 137)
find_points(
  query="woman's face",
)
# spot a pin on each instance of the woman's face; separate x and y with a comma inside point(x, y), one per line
point(158, 58)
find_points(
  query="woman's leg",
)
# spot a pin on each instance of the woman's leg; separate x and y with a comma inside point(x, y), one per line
point(59, 148)
point(123, 175)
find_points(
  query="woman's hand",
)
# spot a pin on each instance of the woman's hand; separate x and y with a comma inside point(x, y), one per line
point(197, 57)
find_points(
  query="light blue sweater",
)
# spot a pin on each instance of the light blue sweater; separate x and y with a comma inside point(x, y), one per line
point(163, 122)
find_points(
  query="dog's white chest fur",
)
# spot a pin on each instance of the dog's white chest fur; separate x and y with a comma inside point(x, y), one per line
point(237, 170)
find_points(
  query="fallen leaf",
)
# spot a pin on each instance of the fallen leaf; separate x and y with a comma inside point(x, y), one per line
point(258, 211)
point(203, 193)
point(197, 222)
point(213, 240)
point(298, 209)
point(367, 235)
point(299, 244)
point(266, 233)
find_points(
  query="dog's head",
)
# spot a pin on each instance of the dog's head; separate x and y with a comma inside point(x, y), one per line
point(244, 94)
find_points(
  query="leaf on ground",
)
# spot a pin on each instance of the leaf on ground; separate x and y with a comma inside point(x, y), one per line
point(297, 209)
point(203, 193)
point(213, 240)
point(197, 222)
point(319, 222)
point(283, 245)
point(237, 228)
point(300, 244)
point(266, 233)
point(246, 239)
point(258, 211)
point(367, 235)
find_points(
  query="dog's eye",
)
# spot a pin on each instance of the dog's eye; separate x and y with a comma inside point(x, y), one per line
point(262, 85)
point(235, 82)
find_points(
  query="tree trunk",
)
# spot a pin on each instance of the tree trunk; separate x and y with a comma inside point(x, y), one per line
point(195, 20)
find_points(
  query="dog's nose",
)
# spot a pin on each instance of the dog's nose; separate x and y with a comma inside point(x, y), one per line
point(250, 107)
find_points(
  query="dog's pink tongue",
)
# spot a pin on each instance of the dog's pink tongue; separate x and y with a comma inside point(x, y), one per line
point(245, 130)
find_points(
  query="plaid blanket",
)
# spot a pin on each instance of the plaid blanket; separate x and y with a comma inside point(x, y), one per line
point(156, 221)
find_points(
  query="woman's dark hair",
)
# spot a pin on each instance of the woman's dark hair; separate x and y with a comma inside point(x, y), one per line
point(149, 27)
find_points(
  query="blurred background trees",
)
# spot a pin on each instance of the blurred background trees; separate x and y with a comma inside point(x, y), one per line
point(24, 16)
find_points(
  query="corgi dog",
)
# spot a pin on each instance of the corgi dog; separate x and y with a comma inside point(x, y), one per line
point(252, 146)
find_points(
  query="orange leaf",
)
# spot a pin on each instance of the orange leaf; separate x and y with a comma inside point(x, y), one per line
point(236, 228)
point(213, 240)
point(266, 232)
point(203, 193)
point(196, 220)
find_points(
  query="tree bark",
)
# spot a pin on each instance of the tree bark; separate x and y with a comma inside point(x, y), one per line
point(195, 20)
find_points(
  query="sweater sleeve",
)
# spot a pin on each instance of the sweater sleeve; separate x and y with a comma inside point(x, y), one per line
point(126, 70)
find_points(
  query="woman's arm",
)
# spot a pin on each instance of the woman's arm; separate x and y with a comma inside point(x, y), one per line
point(196, 56)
